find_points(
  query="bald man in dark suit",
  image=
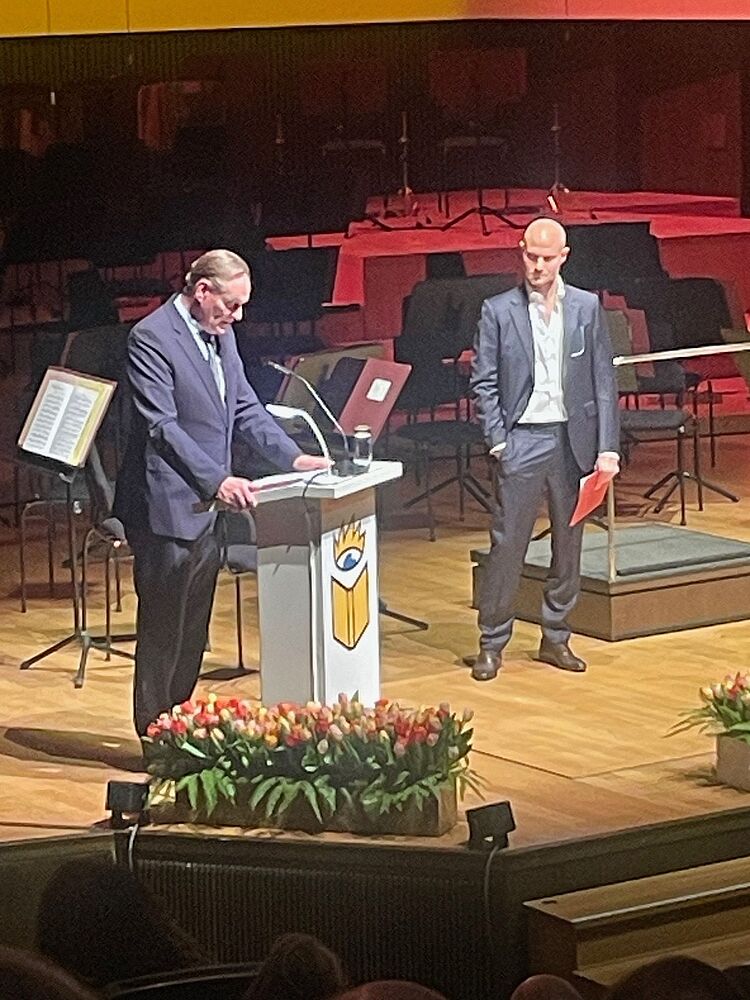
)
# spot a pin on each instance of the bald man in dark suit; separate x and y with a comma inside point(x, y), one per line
point(546, 398)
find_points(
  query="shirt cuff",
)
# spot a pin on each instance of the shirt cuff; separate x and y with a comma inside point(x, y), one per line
point(498, 448)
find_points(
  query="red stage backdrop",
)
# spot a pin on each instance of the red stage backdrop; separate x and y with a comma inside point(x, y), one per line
point(60, 17)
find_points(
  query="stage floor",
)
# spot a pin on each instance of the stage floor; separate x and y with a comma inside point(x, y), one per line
point(577, 755)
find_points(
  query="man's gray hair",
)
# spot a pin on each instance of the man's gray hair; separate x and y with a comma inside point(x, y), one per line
point(216, 266)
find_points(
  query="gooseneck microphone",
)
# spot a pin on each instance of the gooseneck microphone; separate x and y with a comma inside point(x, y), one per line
point(345, 466)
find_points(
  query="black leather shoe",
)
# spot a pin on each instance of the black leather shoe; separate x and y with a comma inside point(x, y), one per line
point(486, 665)
point(559, 654)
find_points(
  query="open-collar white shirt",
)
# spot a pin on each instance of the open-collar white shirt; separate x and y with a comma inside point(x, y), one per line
point(546, 404)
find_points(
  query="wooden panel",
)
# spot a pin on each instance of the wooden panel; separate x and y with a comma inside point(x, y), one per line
point(144, 15)
point(76, 16)
point(602, 933)
point(734, 10)
point(19, 19)
point(515, 8)
point(80, 17)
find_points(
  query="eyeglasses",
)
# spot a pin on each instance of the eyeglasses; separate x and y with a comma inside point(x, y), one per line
point(229, 304)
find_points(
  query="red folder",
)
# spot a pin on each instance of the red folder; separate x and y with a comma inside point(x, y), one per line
point(591, 492)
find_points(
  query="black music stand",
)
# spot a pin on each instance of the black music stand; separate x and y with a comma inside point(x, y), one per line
point(474, 87)
point(289, 290)
point(623, 258)
point(341, 104)
point(67, 471)
point(557, 188)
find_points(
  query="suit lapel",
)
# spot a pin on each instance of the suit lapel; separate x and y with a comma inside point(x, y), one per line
point(192, 352)
point(230, 372)
point(570, 326)
point(519, 314)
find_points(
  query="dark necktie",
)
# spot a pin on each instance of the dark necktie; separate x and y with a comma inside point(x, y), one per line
point(214, 361)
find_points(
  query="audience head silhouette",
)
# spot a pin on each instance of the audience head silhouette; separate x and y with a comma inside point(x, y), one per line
point(29, 977)
point(545, 988)
point(739, 977)
point(675, 978)
point(99, 922)
point(392, 989)
point(298, 967)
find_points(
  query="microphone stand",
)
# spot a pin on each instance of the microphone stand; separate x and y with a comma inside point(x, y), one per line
point(558, 188)
point(343, 467)
point(346, 467)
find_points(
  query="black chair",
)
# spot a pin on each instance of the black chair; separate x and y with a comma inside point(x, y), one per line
point(213, 982)
point(671, 422)
point(107, 534)
point(669, 379)
point(431, 440)
point(699, 312)
point(239, 558)
point(47, 495)
point(439, 324)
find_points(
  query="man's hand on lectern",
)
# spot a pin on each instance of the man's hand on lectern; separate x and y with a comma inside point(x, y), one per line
point(308, 463)
point(237, 492)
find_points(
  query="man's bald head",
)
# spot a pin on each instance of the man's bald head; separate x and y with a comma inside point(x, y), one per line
point(548, 231)
point(544, 252)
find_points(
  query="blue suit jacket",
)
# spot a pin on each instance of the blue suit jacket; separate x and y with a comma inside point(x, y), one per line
point(179, 448)
point(503, 371)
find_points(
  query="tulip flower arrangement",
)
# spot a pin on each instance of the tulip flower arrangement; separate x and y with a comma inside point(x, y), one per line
point(271, 758)
point(725, 709)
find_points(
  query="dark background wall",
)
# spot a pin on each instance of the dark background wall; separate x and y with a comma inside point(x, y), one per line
point(654, 105)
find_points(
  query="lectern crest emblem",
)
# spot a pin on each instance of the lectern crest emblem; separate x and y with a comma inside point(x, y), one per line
point(350, 587)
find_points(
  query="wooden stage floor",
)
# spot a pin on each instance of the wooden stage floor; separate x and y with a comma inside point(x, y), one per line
point(577, 755)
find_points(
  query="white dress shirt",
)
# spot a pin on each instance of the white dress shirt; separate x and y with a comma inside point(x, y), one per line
point(208, 349)
point(545, 404)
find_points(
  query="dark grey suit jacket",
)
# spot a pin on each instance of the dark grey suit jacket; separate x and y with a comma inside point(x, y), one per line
point(503, 371)
point(180, 444)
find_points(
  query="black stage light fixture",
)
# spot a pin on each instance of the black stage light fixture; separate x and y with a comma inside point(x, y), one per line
point(126, 800)
point(489, 826)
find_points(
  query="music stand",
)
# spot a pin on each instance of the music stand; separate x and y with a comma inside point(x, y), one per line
point(339, 100)
point(289, 288)
point(557, 188)
point(474, 86)
point(407, 205)
point(57, 437)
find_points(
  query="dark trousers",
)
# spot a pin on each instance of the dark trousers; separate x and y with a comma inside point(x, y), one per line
point(175, 582)
point(537, 459)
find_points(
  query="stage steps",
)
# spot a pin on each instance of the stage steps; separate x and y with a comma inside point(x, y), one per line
point(595, 936)
point(668, 578)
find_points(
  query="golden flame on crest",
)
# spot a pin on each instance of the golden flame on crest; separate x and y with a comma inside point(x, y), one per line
point(351, 536)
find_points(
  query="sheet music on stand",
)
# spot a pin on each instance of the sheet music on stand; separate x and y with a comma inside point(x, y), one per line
point(64, 418)
point(57, 436)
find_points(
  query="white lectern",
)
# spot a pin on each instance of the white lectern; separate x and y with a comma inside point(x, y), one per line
point(318, 587)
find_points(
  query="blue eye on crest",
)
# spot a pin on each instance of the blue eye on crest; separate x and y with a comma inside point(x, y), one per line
point(349, 558)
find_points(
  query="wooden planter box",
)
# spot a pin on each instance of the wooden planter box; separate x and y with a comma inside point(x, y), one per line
point(733, 762)
point(436, 817)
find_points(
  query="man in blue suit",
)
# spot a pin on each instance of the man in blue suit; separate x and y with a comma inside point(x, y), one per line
point(546, 398)
point(190, 397)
